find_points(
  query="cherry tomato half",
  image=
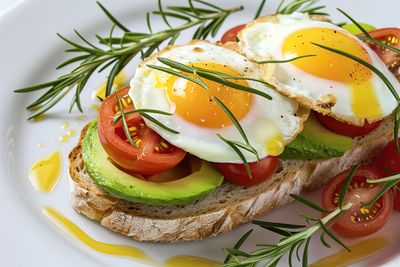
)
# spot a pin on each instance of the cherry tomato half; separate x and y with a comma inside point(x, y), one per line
point(236, 173)
point(390, 36)
point(344, 128)
point(154, 155)
point(358, 220)
point(231, 34)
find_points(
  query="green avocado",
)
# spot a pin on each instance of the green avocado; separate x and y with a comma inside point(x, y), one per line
point(202, 180)
point(316, 142)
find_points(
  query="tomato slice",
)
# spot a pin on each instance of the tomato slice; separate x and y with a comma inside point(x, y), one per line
point(154, 155)
point(344, 128)
point(231, 34)
point(389, 36)
point(396, 201)
point(236, 173)
point(358, 220)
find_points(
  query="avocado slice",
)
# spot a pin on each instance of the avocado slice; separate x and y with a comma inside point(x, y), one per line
point(316, 142)
point(203, 180)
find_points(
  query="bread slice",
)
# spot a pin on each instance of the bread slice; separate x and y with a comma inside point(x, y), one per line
point(227, 207)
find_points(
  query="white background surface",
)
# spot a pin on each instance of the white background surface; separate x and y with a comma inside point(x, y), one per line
point(29, 52)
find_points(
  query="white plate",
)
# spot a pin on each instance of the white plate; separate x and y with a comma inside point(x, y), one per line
point(29, 52)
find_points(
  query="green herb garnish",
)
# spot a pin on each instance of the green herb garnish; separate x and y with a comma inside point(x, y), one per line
point(272, 61)
point(119, 51)
point(211, 75)
point(302, 6)
point(124, 122)
point(292, 237)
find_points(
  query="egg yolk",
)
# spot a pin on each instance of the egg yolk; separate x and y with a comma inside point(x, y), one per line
point(335, 67)
point(194, 103)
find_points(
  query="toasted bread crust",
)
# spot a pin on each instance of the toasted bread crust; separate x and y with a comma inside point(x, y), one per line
point(227, 207)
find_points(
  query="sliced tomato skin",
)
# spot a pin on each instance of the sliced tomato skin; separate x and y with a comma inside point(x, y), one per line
point(388, 159)
point(397, 200)
point(345, 226)
point(344, 128)
point(236, 173)
point(390, 58)
point(144, 161)
point(231, 34)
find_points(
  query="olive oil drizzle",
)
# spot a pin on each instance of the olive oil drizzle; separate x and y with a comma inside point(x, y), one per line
point(122, 250)
point(359, 252)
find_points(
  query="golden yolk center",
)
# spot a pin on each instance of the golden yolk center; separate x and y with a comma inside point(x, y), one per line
point(195, 104)
point(335, 67)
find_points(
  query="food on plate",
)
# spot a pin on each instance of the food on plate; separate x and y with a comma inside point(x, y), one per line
point(199, 113)
point(210, 136)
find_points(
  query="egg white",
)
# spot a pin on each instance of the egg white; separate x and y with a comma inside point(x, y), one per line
point(263, 40)
point(264, 120)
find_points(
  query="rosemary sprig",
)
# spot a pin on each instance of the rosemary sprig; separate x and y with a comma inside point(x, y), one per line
point(119, 51)
point(247, 146)
point(383, 78)
point(302, 6)
point(367, 36)
point(389, 182)
point(259, 9)
point(239, 244)
point(237, 125)
point(284, 60)
point(293, 239)
point(143, 113)
point(124, 122)
point(206, 74)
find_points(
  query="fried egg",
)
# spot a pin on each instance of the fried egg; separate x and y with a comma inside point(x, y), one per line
point(327, 82)
point(268, 124)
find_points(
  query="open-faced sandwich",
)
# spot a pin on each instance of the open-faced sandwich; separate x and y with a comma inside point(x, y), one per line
point(210, 136)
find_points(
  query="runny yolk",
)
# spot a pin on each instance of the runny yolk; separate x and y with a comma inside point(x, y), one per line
point(195, 104)
point(335, 67)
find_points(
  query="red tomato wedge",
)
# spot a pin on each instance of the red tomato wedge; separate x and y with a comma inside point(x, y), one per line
point(358, 220)
point(236, 173)
point(389, 36)
point(231, 34)
point(154, 155)
point(344, 128)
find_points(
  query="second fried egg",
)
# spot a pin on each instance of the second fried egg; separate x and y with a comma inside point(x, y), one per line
point(327, 82)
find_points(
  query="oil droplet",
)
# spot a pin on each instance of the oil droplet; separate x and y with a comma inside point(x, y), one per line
point(359, 252)
point(71, 132)
point(184, 261)
point(44, 173)
point(65, 125)
point(72, 229)
point(40, 145)
point(64, 138)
